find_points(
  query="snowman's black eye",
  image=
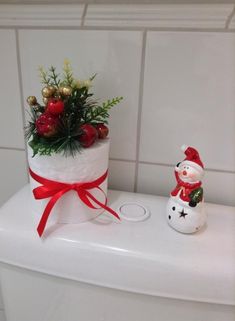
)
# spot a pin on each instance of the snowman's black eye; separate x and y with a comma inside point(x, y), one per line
point(169, 217)
point(173, 208)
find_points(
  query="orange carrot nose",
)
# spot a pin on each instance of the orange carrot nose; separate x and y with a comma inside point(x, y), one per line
point(184, 173)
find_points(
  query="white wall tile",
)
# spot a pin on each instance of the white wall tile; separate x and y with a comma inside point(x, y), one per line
point(114, 55)
point(154, 179)
point(11, 124)
point(159, 180)
point(13, 174)
point(220, 188)
point(2, 316)
point(1, 303)
point(189, 97)
point(121, 175)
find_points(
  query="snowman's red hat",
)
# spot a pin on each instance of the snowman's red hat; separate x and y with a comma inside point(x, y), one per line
point(192, 158)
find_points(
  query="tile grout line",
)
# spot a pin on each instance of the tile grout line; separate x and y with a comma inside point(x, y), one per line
point(21, 87)
point(229, 19)
point(173, 165)
point(140, 106)
point(84, 14)
point(13, 148)
point(113, 28)
point(168, 165)
point(123, 160)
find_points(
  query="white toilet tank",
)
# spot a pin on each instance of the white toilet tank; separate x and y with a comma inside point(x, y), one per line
point(104, 270)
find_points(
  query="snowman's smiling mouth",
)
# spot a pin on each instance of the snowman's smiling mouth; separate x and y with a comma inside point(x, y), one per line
point(182, 213)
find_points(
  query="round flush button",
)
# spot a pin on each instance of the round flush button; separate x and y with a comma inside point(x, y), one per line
point(133, 212)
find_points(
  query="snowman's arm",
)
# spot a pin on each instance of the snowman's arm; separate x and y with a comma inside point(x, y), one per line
point(196, 196)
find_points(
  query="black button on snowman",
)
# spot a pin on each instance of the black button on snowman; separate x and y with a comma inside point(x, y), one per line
point(185, 208)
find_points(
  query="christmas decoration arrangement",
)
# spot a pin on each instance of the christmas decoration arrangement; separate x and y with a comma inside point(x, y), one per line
point(68, 150)
point(185, 208)
point(69, 118)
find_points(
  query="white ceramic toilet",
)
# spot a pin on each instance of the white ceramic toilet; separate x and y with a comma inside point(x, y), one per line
point(108, 271)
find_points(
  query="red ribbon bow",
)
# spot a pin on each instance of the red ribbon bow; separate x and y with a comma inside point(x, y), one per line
point(55, 190)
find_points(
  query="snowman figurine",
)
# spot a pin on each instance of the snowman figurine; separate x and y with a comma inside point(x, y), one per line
point(185, 208)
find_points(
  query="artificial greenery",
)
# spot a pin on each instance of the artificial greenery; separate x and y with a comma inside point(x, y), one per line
point(79, 108)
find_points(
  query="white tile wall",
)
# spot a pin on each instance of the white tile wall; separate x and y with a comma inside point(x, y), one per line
point(11, 116)
point(114, 55)
point(13, 174)
point(189, 97)
point(2, 316)
point(122, 175)
point(188, 88)
point(1, 303)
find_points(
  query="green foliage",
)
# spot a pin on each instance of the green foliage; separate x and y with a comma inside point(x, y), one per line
point(79, 108)
point(100, 114)
point(49, 78)
point(68, 75)
point(66, 145)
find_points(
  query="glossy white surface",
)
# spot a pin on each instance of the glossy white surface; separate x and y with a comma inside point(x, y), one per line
point(147, 257)
point(193, 99)
point(113, 55)
point(50, 298)
point(10, 93)
point(13, 173)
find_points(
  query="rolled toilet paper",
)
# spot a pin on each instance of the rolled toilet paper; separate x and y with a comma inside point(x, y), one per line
point(86, 166)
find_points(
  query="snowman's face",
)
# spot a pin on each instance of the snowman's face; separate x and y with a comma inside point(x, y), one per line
point(188, 173)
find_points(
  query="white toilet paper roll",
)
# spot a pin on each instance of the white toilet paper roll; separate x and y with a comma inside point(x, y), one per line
point(86, 166)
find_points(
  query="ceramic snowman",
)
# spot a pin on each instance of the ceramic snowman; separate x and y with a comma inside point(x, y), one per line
point(185, 208)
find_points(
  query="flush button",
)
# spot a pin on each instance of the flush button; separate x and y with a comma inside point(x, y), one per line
point(133, 212)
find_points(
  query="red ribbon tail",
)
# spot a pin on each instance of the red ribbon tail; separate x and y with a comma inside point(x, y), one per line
point(104, 206)
point(47, 211)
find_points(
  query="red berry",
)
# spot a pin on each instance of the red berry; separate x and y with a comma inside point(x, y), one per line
point(102, 130)
point(47, 125)
point(89, 135)
point(55, 106)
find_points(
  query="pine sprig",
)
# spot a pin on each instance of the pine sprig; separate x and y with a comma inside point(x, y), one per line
point(49, 78)
point(98, 114)
point(68, 74)
point(54, 78)
point(43, 75)
point(30, 128)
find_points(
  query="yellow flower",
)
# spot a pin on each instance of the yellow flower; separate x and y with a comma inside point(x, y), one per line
point(86, 83)
point(67, 66)
point(66, 62)
point(78, 84)
point(83, 83)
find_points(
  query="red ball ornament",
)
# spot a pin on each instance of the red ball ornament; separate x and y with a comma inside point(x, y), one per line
point(47, 125)
point(102, 130)
point(55, 106)
point(89, 135)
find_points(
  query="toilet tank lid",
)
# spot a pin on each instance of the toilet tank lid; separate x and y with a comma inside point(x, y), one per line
point(144, 257)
